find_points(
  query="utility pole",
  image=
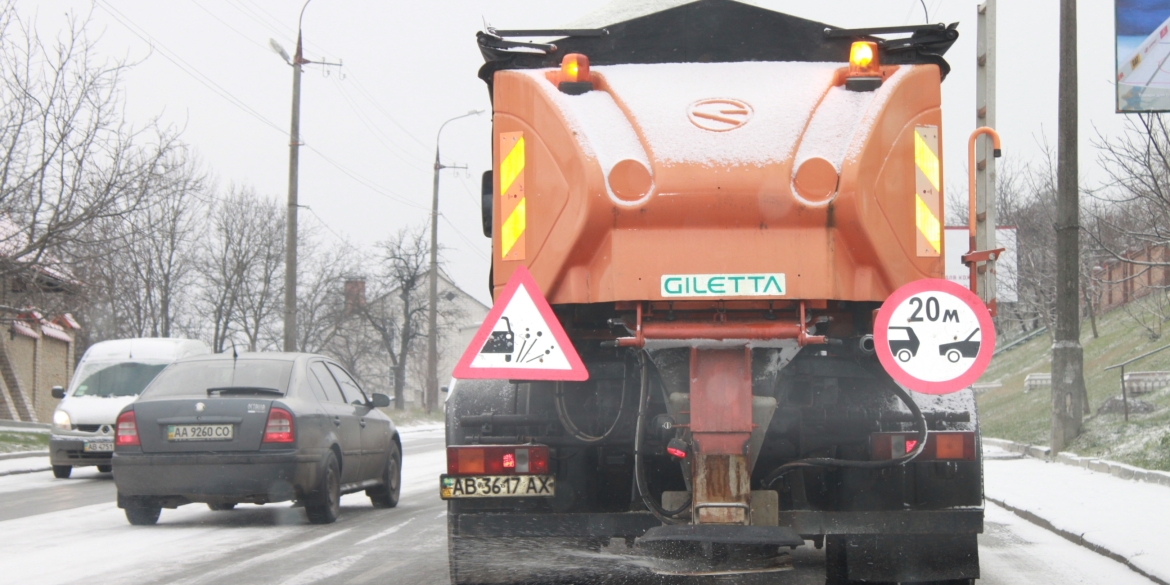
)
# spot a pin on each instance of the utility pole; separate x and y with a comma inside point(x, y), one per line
point(985, 216)
point(432, 390)
point(290, 222)
point(1068, 379)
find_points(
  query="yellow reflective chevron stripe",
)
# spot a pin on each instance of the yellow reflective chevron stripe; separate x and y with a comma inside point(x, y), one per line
point(512, 229)
point(512, 166)
point(926, 159)
point(927, 224)
point(513, 210)
point(927, 195)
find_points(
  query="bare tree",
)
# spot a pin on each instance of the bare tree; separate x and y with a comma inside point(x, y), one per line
point(398, 313)
point(67, 156)
point(141, 286)
point(232, 257)
point(320, 301)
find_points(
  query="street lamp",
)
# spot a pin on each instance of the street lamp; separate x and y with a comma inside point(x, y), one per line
point(433, 298)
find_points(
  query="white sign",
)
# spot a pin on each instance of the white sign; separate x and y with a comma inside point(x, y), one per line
point(521, 339)
point(958, 242)
point(934, 336)
point(722, 285)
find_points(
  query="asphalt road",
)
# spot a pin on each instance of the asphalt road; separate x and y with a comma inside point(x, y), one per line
point(67, 531)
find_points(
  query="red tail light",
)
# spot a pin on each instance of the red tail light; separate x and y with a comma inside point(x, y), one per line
point(126, 434)
point(280, 426)
point(497, 460)
point(940, 445)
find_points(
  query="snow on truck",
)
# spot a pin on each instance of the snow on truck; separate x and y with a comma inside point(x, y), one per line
point(715, 199)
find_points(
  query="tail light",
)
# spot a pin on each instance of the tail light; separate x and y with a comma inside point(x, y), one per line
point(126, 434)
point(497, 460)
point(280, 426)
point(940, 446)
point(677, 448)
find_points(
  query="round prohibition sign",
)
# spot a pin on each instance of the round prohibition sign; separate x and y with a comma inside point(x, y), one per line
point(934, 336)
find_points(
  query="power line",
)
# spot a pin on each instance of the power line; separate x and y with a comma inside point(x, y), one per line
point(184, 65)
point(378, 134)
point(366, 182)
point(365, 93)
point(229, 26)
point(464, 238)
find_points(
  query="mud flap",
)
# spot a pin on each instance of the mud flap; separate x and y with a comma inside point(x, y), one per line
point(901, 557)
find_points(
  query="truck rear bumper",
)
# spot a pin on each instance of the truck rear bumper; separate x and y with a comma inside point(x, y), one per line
point(633, 524)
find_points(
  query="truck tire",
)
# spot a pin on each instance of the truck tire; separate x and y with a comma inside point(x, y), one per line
point(386, 495)
point(62, 471)
point(324, 506)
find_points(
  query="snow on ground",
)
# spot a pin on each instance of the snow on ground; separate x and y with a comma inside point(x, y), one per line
point(99, 541)
point(1127, 518)
point(1014, 547)
point(24, 465)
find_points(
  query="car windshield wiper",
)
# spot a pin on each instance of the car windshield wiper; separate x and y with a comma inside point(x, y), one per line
point(244, 390)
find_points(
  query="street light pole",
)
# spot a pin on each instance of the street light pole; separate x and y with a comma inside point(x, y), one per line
point(290, 224)
point(432, 390)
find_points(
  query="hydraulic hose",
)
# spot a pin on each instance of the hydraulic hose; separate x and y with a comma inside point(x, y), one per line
point(920, 428)
point(665, 516)
point(572, 429)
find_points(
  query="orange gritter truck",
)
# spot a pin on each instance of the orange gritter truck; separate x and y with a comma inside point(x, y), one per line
point(715, 199)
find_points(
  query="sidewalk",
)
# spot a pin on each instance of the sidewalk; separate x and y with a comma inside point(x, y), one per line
point(1124, 519)
point(17, 465)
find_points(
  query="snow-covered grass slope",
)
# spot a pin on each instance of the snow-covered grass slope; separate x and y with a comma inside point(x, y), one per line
point(1008, 412)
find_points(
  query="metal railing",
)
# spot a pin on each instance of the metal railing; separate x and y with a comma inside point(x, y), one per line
point(1124, 397)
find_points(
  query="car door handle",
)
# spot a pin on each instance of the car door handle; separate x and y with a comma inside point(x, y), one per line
point(337, 421)
point(362, 422)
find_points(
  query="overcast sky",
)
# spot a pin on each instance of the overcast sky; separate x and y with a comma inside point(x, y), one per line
point(369, 128)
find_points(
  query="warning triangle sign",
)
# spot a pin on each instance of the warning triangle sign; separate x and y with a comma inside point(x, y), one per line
point(521, 339)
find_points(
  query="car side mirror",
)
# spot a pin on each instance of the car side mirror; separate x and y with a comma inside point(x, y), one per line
point(380, 400)
point(58, 392)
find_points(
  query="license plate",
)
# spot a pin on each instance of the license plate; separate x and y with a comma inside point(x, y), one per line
point(199, 432)
point(497, 486)
point(98, 446)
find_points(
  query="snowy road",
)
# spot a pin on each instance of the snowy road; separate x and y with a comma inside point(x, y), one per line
point(69, 531)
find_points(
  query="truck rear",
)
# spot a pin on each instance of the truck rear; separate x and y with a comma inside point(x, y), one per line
point(715, 199)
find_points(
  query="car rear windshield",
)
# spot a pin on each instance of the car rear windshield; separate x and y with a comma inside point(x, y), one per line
point(195, 378)
point(115, 379)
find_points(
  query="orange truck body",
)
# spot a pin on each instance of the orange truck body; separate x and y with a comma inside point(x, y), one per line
point(595, 230)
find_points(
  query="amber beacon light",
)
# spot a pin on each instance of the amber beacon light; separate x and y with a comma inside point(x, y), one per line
point(575, 74)
point(865, 69)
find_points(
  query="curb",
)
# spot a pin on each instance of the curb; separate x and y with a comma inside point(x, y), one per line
point(24, 424)
point(1113, 468)
point(23, 454)
point(1074, 538)
point(20, 471)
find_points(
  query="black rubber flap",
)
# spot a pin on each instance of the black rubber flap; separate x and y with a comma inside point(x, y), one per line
point(721, 534)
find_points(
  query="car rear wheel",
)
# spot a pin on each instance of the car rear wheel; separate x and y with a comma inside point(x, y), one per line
point(62, 471)
point(221, 507)
point(105, 468)
point(386, 495)
point(324, 506)
point(142, 515)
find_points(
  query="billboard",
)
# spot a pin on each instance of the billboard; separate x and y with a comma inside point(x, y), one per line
point(958, 242)
point(1143, 48)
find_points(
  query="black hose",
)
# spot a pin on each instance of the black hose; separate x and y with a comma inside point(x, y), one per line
point(665, 516)
point(571, 427)
point(920, 427)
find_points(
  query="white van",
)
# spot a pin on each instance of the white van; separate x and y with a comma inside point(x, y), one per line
point(109, 376)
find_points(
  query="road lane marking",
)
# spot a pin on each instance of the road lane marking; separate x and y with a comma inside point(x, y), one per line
point(386, 532)
point(261, 559)
point(325, 571)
